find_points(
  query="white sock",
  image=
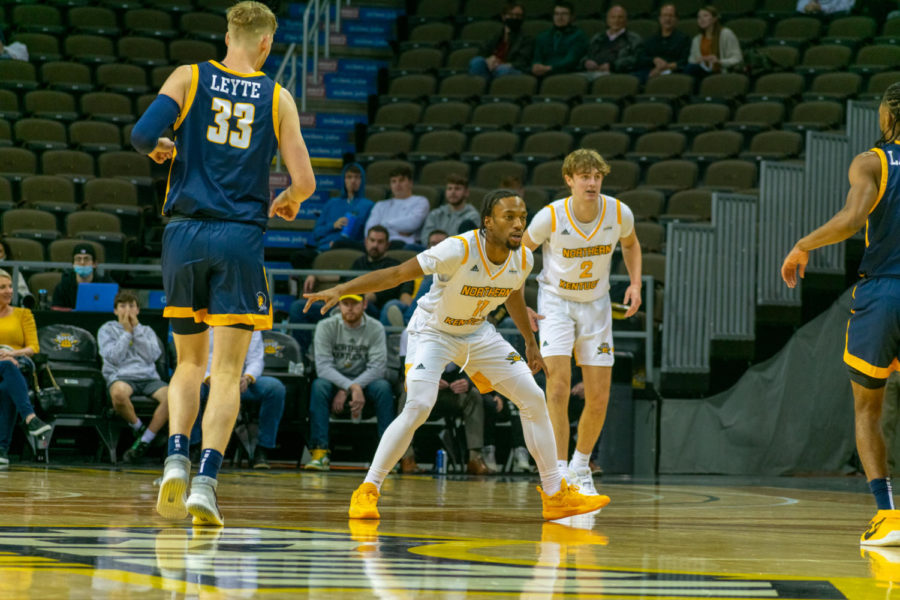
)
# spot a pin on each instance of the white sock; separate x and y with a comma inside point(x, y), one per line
point(536, 427)
point(420, 398)
point(148, 436)
point(563, 465)
point(137, 424)
point(579, 461)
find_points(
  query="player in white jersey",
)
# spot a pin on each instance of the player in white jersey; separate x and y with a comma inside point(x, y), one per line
point(474, 273)
point(578, 235)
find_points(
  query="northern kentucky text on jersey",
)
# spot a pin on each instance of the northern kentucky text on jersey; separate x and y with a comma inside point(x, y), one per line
point(235, 87)
point(578, 286)
point(485, 291)
point(585, 252)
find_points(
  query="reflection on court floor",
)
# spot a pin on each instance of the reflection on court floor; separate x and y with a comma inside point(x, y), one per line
point(91, 533)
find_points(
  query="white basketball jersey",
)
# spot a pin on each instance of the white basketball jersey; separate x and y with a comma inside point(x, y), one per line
point(577, 261)
point(467, 286)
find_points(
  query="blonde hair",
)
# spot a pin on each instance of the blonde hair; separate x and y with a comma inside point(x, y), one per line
point(584, 160)
point(250, 19)
point(5, 275)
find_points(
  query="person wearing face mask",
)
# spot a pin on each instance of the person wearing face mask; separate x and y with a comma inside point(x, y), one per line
point(509, 52)
point(84, 270)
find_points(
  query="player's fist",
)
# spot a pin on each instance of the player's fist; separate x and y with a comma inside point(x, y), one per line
point(164, 150)
point(284, 206)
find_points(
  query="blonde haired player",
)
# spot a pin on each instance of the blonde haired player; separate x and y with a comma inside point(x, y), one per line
point(578, 235)
point(229, 119)
point(474, 273)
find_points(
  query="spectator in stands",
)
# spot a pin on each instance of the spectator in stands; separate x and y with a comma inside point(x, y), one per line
point(84, 270)
point(18, 343)
point(666, 51)
point(402, 215)
point(560, 49)
point(615, 50)
point(344, 217)
point(351, 355)
point(255, 388)
point(828, 7)
point(456, 215)
point(510, 52)
point(129, 351)
point(377, 241)
point(715, 49)
point(457, 397)
point(25, 297)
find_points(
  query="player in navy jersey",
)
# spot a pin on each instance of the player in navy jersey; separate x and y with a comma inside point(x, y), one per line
point(873, 331)
point(229, 119)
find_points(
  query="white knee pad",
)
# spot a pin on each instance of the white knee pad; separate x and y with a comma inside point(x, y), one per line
point(526, 395)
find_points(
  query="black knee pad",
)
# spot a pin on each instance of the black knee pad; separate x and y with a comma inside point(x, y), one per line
point(866, 381)
point(187, 326)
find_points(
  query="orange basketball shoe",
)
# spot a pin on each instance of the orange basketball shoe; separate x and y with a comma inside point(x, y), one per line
point(569, 501)
point(883, 530)
point(364, 503)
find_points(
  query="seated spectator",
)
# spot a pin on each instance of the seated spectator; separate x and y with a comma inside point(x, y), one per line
point(456, 215)
point(84, 270)
point(828, 7)
point(129, 351)
point(344, 217)
point(24, 294)
point(666, 51)
point(715, 49)
point(18, 343)
point(403, 214)
point(560, 49)
point(615, 50)
point(510, 52)
point(351, 354)
point(377, 242)
point(255, 388)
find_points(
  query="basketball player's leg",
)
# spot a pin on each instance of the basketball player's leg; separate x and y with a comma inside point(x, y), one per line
point(557, 339)
point(596, 400)
point(559, 383)
point(229, 351)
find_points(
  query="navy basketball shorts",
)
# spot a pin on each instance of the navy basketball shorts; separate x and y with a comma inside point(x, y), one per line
point(873, 331)
point(213, 272)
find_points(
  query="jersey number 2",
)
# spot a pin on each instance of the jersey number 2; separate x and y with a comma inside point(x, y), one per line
point(224, 111)
point(586, 269)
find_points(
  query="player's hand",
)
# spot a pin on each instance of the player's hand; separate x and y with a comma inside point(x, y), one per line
point(284, 206)
point(533, 318)
point(535, 360)
point(337, 403)
point(632, 299)
point(795, 261)
point(164, 150)
point(460, 386)
point(330, 297)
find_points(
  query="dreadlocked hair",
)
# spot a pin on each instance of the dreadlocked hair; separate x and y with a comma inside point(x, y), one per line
point(891, 100)
point(491, 199)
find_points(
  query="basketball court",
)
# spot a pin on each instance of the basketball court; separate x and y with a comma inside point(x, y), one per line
point(68, 532)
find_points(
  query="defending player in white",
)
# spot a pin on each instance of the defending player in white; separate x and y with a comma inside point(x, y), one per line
point(578, 235)
point(474, 273)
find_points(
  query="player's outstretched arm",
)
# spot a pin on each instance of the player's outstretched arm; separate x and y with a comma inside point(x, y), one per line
point(376, 281)
point(296, 159)
point(515, 304)
point(865, 175)
point(631, 254)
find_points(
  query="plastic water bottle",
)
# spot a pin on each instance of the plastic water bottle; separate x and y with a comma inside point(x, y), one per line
point(351, 223)
point(43, 300)
point(440, 461)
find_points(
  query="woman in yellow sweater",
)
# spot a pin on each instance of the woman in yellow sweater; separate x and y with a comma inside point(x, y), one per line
point(18, 342)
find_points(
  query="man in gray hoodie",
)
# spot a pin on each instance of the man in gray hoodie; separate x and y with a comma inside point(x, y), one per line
point(351, 354)
point(456, 215)
point(130, 351)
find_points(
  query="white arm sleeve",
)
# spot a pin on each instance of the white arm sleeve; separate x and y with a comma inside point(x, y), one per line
point(445, 258)
point(540, 228)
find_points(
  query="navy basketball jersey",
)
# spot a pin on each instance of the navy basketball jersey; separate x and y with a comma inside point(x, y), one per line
point(882, 255)
point(225, 138)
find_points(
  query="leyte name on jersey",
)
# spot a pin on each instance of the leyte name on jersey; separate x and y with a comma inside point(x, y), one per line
point(585, 252)
point(579, 286)
point(235, 87)
point(485, 291)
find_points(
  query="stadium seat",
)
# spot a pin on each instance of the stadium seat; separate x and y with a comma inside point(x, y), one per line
point(23, 249)
point(483, 9)
point(689, 205)
point(445, 115)
point(874, 59)
point(407, 88)
point(818, 115)
point(538, 117)
point(651, 236)
point(511, 88)
point(116, 197)
point(492, 115)
point(562, 88)
point(489, 146)
point(490, 174)
point(204, 26)
point(670, 176)
point(437, 9)
point(61, 250)
point(623, 176)
point(730, 175)
point(30, 224)
point(386, 144)
point(549, 175)
point(644, 203)
point(458, 61)
point(838, 87)
point(122, 78)
point(143, 51)
point(715, 145)
point(643, 27)
point(428, 35)
point(66, 76)
point(667, 88)
point(656, 146)
point(723, 87)
point(51, 194)
point(419, 60)
point(378, 172)
point(641, 117)
point(101, 227)
point(479, 30)
point(40, 134)
point(890, 33)
point(795, 31)
point(107, 106)
point(18, 75)
point(778, 87)
point(823, 59)
point(774, 145)
point(461, 87)
point(41, 46)
point(535, 200)
point(71, 164)
point(436, 173)
point(129, 166)
point(95, 136)
point(47, 281)
point(16, 163)
point(183, 52)
point(51, 104)
point(6, 138)
point(850, 31)
point(436, 145)
point(535, 27)
point(591, 117)
point(757, 116)
point(93, 20)
point(878, 83)
point(9, 105)
point(610, 144)
point(149, 22)
point(700, 117)
point(781, 57)
point(398, 115)
point(37, 18)
point(750, 31)
point(617, 87)
point(90, 49)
